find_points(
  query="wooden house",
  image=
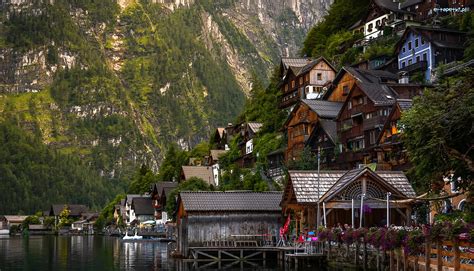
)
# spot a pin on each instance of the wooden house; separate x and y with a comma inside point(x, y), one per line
point(339, 194)
point(142, 209)
point(202, 172)
point(303, 120)
point(305, 82)
point(422, 49)
point(205, 217)
point(390, 152)
point(348, 76)
point(127, 207)
point(383, 14)
point(159, 193)
point(247, 132)
point(219, 139)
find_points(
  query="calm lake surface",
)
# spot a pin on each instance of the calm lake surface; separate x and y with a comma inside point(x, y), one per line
point(81, 253)
point(97, 253)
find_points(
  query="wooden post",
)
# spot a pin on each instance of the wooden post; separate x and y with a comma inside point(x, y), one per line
point(457, 258)
point(415, 264)
point(356, 254)
point(439, 256)
point(398, 254)
point(427, 255)
point(392, 256)
point(405, 261)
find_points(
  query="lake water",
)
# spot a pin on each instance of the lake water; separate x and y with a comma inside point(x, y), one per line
point(103, 253)
point(81, 253)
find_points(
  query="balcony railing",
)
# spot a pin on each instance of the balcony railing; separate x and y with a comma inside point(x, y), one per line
point(418, 66)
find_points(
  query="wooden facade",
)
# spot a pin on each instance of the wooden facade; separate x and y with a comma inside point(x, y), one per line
point(340, 194)
point(305, 82)
point(225, 216)
point(359, 126)
point(303, 121)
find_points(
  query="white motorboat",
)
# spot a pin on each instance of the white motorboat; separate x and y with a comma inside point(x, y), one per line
point(130, 238)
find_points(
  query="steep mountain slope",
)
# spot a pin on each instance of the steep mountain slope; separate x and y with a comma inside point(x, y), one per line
point(115, 83)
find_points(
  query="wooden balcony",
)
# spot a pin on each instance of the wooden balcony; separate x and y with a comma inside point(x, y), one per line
point(371, 123)
point(418, 66)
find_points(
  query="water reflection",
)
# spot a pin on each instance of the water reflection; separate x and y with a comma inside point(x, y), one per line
point(81, 253)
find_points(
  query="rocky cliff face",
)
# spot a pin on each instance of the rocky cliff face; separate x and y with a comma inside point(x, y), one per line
point(115, 82)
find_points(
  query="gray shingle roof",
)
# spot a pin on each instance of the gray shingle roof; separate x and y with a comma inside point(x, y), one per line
point(143, 206)
point(231, 201)
point(332, 181)
point(202, 172)
point(378, 93)
point(165, 186)
point(324, 109)
point(305, 183)
point(294, 62)
point(76, 209)
point(330, 127)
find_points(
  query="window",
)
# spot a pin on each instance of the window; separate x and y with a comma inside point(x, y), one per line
point(286, 88)
point(409, 45)
point(345, 90)
point(349, 105)
point(383, 112)
point(425, 57)
point(369, 28)
point(403, 49)
point(301, 81)
point(372, 137)
point(369, 115)
point(417, 58)
point(410, 61)
point(422, 41)
point(292, 83)
point(403, 64)
point(319, 76)
point(416, 43)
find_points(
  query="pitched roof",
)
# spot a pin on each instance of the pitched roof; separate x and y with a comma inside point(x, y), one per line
point(390, 5)
point(324, 109)
point(231, 201)
point(332, 181)
point(294, 61)
point(130, 197)
point(143, 206)
point(165, 186)
point(76, 209)
point(409, 3)
point(216, 154)
point(362, 76)
point(330, 127)
point(313, 63)
point(255, 126)
point(380, 94)
point(305, 183)
point(202, 172)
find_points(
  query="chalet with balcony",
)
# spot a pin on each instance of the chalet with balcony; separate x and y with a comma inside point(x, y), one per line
point(305, 82)
point(423, 49)
point(390, 152)
point(159, 193)
point(219, 139)
point(339, 193)
point(383, 14)
point(302, 122)
point(360, 121)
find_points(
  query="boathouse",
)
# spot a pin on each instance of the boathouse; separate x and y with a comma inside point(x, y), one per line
point(211, 217)
point(340, 198)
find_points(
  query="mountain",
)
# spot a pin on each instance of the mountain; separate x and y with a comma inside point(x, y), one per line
point(114, 83)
